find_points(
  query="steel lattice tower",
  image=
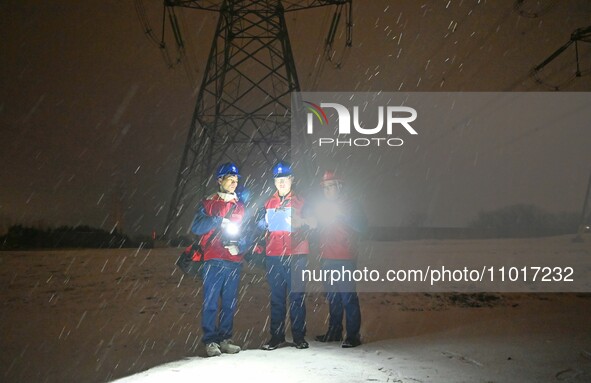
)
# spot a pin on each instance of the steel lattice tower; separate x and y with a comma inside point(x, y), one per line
point(243, 105)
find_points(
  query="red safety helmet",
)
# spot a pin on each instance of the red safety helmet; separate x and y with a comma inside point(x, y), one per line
point(330, 175)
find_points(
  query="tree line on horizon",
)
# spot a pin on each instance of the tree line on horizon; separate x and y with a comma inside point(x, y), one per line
point(525, 220)
point(20, 237)
point(515, 221)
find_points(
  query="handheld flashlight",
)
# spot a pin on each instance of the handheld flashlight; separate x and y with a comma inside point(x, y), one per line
point(232, 229)
point(230, 234)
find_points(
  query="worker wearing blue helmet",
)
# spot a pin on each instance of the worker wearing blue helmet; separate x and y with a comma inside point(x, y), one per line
point(218, 222)
point(286, 249)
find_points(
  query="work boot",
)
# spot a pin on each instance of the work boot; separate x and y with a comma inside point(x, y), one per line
point(329, 337)
point(273, 343)
point(228, 347)
point(213, 349)
point(301, 343)
point(351, 342)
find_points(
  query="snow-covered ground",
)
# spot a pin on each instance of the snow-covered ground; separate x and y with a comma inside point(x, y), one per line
point(100, 315)
point(428, 358)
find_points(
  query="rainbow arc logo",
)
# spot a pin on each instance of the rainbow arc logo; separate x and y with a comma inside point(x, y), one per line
point(317, 111)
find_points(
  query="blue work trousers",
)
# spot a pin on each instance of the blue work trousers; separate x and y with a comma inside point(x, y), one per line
point(220, 283)
point(284, 277)
point(342, 298)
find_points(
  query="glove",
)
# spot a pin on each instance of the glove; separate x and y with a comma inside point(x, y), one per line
point(297, 222)
point(233, 249)
point(311, 222)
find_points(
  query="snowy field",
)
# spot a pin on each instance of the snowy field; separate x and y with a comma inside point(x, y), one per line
point(101, 315)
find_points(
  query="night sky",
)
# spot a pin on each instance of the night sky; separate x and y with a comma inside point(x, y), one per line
point(90, 114)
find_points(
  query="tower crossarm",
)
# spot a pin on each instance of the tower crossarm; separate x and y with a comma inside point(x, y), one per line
point(288, 5)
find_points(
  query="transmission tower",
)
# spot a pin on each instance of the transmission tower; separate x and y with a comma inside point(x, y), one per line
point(582, 35)
point(243, 108)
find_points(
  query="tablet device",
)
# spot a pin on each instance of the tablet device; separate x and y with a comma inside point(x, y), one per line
point(279, 220)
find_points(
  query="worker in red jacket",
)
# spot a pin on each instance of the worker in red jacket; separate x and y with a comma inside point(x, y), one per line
point(286, 257)
point(218, 222)
point(340, 221)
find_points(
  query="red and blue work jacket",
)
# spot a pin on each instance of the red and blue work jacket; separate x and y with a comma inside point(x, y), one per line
point(209, 217)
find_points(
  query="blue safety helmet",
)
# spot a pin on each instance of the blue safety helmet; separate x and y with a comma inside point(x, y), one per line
point(227, 169)
point(282, 169)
